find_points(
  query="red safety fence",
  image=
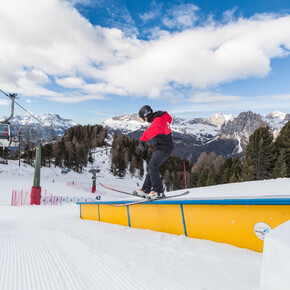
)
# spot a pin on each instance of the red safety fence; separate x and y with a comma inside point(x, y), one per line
point(49, 199)
point(21, 198)
point(85, 186)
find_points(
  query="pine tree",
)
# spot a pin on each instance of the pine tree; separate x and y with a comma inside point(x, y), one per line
point(90, 159)
point(193, 181)
point(225, 172)
point(237, 169)
point(280, 169)
point(167, 180)
point(133, 165)
point(202, 178)
point(210, 179)
point(283, 143)
point(259, 156)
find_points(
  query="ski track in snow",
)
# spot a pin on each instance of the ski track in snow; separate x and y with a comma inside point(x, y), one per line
point(47, 259)
point(52, 248)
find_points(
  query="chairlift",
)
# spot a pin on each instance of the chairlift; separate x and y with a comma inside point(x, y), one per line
point(4, 135)
point(94, 170)
point(9, 137)
point(65, 171)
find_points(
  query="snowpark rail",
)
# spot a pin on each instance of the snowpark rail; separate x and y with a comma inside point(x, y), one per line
point(239, 222)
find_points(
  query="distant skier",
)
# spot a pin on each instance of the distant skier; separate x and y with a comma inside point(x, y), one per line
point(162, 140)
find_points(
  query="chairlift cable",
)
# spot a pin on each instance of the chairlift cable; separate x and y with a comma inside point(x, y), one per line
point(59, 139)
point(57, 156)
point(4, 93)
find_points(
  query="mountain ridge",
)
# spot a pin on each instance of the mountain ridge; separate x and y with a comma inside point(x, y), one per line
point(32, 130)
point(225, 135)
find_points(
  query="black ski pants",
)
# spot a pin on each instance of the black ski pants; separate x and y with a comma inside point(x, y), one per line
point(153, 180)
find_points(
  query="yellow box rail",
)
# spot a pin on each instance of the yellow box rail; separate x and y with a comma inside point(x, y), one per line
point(239, 222)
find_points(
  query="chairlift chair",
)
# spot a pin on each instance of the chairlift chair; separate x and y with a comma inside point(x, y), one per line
point(8, 135)
point(4, 135)
point(64, 171)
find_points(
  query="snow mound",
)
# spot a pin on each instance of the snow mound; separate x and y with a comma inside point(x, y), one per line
point(276, 256)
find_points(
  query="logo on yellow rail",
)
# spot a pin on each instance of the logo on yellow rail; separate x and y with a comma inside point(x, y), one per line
point(261, 230)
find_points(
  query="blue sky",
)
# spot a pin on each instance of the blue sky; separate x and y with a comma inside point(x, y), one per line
point(89, 60)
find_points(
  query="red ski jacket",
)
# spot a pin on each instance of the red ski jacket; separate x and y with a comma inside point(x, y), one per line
point(160, 131)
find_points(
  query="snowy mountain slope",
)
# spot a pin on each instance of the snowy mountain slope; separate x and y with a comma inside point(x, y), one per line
point(276, 120)
point(50, 120)
point(222, 134)
point(202, 126)
point(196, 127)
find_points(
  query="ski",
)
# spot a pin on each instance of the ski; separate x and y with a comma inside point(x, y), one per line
point(134, 193)
point(145, 200)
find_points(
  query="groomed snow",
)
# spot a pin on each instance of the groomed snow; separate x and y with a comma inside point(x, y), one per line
point(50, 247)
point(276, 256)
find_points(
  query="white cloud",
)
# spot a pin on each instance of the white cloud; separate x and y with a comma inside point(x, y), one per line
point(154, 13)
point(204, 56)
point(104, 113)
point(82, 2)
point(229, 15)
point(282, 97)
point(70, 82)
point(209, 97)
point(75, 98)
point(37, 76)
point(181, 16)
point(208, 103)
point(102, 88)
point(148, 16)
point(4, 102)
point(49, 40)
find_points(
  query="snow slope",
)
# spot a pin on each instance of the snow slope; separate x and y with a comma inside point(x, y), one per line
point(50, 247)
point(276, 255)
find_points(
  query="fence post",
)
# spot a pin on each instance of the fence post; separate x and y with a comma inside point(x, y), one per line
point(35, 195)
point(25, 197)
point(12, 198)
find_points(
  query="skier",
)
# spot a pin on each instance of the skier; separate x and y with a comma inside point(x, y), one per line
point(162, 140)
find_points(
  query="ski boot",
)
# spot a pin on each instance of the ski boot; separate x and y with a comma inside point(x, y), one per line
point(152, 195)
point(140, 192)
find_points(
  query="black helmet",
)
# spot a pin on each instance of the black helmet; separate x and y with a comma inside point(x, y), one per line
point(145, 111)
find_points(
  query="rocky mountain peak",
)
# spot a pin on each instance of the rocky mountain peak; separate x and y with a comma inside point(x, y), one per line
point(223, 134)
point(127, 118)
point(287, 118)
point(276, 115)
point(245, 124)
point(49, 120)
point(217, 119)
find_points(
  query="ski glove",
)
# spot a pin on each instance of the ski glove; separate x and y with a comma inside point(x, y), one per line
point(142, 145)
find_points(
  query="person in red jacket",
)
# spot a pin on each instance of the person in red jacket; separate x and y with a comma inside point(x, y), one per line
point(160, 132)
